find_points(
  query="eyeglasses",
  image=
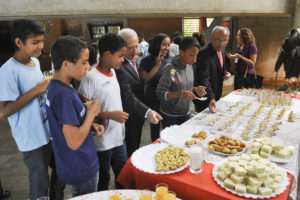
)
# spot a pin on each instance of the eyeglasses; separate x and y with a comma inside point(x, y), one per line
point(221, 41)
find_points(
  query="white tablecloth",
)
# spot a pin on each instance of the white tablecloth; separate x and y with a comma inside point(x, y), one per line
point(289, 132)
point(104, 195)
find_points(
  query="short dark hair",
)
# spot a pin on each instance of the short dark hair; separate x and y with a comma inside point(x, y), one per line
point(200, 37)
point(92, 55)
point(177, 39)
point(175, 34)
point(66, 48)
point(23, 29)
point(141, 34)
point(188, 42)
point(111, 42)
point(155, 43)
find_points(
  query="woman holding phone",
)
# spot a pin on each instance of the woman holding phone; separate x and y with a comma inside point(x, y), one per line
point(151, 68)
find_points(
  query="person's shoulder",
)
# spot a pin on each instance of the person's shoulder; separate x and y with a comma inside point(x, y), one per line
point(9, 65)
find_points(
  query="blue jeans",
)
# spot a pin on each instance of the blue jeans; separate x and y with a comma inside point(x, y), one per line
point(116, 158)
point(85, 187)
point(169, 121)
point(37, 162)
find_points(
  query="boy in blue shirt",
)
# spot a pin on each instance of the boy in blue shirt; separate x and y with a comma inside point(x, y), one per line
point(22, 95)
point(70, 122)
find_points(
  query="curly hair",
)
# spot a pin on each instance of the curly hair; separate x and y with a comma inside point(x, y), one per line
point(247, 36)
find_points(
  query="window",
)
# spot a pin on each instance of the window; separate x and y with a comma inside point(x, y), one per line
point(190, 25)
point(97, 29)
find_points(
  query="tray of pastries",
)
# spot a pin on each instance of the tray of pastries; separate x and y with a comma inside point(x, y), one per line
point(160, 158)
point(226, 145)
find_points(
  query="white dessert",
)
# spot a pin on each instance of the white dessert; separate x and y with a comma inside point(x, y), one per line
point(229, 183)
point(241, 188)
point(265, 191)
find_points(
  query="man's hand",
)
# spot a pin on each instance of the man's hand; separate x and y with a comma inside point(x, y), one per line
point(119, 116)
point(212, 106)
point(200, 90)
point(227, 76)
point(153, 117)
point(99, 130)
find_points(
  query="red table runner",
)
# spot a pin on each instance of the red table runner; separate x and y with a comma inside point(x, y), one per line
point(186, 185)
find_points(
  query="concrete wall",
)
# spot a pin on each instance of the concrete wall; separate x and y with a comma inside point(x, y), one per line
point(61, 8)
point(269, 33)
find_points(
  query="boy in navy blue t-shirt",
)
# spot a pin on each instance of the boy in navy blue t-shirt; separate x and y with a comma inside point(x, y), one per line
point(70, 122)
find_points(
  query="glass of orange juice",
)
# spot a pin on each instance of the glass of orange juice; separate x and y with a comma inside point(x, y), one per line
point(114, 197)
point(170, 196)
point(161, 189)
point(130, 197)
point(146, 195)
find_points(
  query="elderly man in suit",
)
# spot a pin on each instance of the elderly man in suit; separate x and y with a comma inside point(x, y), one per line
point(211, 69)
point(132, 93)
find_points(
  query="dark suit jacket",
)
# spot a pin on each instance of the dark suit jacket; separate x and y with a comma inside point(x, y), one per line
point(210, 74)
point(132, 90)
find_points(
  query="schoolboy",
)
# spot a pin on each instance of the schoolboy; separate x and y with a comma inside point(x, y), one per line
point(102, 83)
point(70, 122)
point(22, 94)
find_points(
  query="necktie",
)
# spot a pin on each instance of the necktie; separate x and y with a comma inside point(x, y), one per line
point(220, 58)
point(135, 68)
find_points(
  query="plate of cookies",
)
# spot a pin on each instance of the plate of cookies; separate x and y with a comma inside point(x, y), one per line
point(225, 145)
point(184, 135)
point(160, 158)
point(251, 176)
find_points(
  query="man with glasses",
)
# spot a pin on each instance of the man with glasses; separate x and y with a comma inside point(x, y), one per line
point(211, 70)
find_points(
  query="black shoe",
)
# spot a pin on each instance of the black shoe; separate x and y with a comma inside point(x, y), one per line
point(5, 194)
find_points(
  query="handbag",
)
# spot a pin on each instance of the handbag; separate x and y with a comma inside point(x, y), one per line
point(253, 80)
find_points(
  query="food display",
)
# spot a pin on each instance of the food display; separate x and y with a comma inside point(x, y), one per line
point(226, 144)
point(190, 142)
point(291, 117)
point(201, 135)
point(266, 147)
point(250, 174)
point(170, 158)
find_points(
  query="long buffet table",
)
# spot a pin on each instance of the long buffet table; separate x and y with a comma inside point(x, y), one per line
point(203, 186)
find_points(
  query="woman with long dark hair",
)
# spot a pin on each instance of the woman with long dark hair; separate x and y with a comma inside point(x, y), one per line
point(244, 58)
point(151, 68)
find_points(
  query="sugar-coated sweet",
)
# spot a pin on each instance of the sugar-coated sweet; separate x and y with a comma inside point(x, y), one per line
point(254, 182)
point(275, 186)
point(265, 191)
point(221, 175)
point(262, 176)
point(243, 163)
point(241, 188)
point(254, 157)
point(245, 157)
point(233, 158)
point(254, 150)
point(250, 169)
point(251, 189)
point(229, 183)
point(264, 154)
point(240, 171)
point(259, 168)
point(284, 153)
point(236, 178)
point(266, 148)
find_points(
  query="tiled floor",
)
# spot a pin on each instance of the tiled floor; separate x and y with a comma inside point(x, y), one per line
point(13, 172)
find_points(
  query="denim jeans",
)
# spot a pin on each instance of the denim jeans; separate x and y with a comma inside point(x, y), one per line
point(85, 187)
point(116, 158)
point(37, 162)
point(169, 121)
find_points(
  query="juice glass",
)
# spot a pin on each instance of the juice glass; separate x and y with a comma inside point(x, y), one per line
point(161, 189)
point(114, 197)
point(146, 195)
point(170, 196)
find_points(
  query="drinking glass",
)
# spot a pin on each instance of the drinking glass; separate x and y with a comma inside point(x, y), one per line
point(170, 196)
point(196, 159)
point(161, 189)
point(146, 195)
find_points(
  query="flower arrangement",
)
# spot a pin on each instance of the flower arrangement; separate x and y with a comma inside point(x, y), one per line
point(293, 84)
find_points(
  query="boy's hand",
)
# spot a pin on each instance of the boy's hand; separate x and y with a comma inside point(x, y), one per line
point(42, 86)
point(188, 95)
point(200, 90)
point(119, 116)
point(99, 130)
point(94, 108)
point(212, 106)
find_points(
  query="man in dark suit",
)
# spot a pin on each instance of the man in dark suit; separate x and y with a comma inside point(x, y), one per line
point(132, 94)
point(211, 68)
